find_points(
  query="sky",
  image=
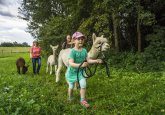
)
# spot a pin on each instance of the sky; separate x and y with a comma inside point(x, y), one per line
point(12, 28)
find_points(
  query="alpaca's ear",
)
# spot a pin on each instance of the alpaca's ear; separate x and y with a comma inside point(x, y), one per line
point(51, 46)
point(102, 36)
point(94, 37)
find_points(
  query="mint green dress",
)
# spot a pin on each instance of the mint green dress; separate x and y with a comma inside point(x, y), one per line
point(78, 57)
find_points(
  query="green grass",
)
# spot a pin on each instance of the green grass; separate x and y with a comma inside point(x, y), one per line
point(7, 51)
point(124, 93)
point(14, 49)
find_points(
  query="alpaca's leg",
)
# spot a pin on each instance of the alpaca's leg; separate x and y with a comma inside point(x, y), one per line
point(55, 68)
point(22, 71)
point(50, 69)
point(58, 73)
point(18, 69)
point(60, 64)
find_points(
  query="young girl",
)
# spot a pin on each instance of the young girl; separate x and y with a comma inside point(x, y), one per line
point(35, 53)
point(67, 43)
point(77, 56)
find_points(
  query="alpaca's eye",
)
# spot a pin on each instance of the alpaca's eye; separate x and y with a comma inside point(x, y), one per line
point(99, 42)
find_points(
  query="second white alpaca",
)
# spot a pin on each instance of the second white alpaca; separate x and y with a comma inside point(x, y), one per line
point(52, 60)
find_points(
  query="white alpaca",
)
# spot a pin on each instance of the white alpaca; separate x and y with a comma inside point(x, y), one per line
point(52, 60)
point(99, 44)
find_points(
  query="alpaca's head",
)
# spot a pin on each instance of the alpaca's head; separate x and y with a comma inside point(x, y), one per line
point(25, 69)
point(54, 48)
point(100, 43)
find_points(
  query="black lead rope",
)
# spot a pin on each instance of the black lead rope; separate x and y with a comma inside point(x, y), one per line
point(107, 68)
point(90, 74)
point(84, 69)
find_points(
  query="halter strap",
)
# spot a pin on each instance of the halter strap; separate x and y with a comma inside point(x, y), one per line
point(99, 47)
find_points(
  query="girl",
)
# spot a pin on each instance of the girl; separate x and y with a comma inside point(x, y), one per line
point(77, 56)
point(35, 53)
point(67, 43)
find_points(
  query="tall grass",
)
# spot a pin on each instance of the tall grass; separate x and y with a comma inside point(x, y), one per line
point(123, 93)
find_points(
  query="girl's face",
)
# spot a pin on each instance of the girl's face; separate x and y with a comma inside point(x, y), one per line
point(79, 41)
point(68, 38)
point(35, 44)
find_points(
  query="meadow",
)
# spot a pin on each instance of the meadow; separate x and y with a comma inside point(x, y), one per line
point(123, 93)
point(13, 49)
point(7, 51)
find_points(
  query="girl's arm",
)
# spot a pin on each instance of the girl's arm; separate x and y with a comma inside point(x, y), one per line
point(76, 65)
point(90, 61)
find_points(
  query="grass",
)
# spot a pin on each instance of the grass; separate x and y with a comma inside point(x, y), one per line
point(14, 49)
point(7, 51)
point(123, 93)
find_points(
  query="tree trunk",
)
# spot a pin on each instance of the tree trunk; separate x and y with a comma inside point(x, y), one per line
point(115, 31)
point(138, 34)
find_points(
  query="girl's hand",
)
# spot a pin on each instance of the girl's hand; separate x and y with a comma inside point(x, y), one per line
point(85, 64)
point(99, 61)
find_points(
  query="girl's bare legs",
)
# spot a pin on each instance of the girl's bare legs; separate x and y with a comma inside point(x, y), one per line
point(70, 93)
point(70, 90)
point(82, 93)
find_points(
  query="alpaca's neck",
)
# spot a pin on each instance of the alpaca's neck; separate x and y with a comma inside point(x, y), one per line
point(54, 54)
point(93, 53)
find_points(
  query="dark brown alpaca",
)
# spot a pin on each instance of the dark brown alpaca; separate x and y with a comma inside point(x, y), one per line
point(20, 63)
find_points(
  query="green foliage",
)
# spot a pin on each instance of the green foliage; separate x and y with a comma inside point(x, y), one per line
point(153, 55)
point(137, 62)
point(147, 18)
point(123, 60)
point(54, 32)
point(97, 24)
point(14, 44)
point(156, 44)
point(116, 19)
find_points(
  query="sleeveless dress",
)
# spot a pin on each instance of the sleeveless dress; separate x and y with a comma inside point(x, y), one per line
point(78, 57)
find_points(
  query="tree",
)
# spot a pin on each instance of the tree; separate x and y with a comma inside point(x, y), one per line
point(144, 17)
point(38, 12)
point(25, 44)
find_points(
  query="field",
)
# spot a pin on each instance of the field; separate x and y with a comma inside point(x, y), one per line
point(7, 51)
point(14, 49)
point(123, 93)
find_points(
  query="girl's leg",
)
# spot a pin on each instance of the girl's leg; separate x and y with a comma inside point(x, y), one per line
point(82, 83)
point(34, 65)
point(83, 92)
point(70, 94)
point(39, 64)
point(70, 90)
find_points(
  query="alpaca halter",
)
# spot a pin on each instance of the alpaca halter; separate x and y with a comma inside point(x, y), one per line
point(99, 48)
